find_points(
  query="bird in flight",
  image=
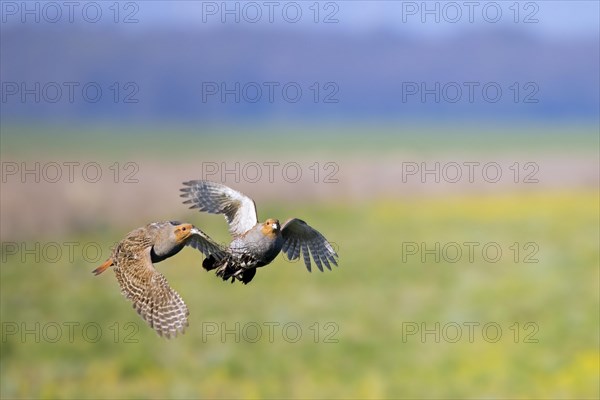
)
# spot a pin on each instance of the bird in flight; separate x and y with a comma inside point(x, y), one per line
point(254, 244)
point(133, 259)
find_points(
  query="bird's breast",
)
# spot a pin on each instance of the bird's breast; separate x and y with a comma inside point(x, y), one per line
point(260, 247)
point(157, 257)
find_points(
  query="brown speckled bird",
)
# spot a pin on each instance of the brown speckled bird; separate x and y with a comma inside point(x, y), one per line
point(140, 282)
point(254, 244)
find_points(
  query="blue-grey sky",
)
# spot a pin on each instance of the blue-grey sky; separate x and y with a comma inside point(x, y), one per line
point(541, 56)
point(550, 17)
point(543, 17)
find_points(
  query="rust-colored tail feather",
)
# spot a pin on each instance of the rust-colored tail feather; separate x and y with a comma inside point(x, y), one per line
point(103, 267)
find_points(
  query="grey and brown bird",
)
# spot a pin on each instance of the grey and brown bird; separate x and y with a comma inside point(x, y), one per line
point(254, 244)
point(133, 259)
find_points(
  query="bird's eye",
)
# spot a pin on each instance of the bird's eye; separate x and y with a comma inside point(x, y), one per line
point(183, 229)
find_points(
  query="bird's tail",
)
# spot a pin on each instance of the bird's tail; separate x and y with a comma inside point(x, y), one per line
point(103, 267)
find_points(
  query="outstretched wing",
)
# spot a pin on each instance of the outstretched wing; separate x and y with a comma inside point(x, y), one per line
point(301, 238)
point(202, 242)
point(150, 293)
point(239, 209)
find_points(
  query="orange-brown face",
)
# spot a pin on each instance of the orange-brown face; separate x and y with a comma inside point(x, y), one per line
point(183, 231)
point(271, 227)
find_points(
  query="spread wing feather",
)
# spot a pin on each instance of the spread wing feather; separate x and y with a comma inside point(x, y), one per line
point(152, 297)
point(239, 210)
point(300, 238)
point(202, 242)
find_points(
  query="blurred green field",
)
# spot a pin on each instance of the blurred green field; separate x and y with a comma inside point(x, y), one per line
point(371, 299)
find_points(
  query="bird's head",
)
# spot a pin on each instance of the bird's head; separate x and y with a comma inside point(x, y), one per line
point(171, 238)
point(271, 227)
point(181, 232)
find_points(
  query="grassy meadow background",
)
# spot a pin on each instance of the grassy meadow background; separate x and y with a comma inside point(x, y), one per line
point(362, 308)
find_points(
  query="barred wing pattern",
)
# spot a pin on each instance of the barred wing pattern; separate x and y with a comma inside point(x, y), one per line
point(239, 210)
point(203, 243)
point(301, 239)
point(152, 297)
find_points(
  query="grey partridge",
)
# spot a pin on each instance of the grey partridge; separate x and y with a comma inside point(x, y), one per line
point(254, 244)
point(133, 259)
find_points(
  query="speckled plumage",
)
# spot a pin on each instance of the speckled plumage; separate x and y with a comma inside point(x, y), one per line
point(254, 244)
point(148, 290)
